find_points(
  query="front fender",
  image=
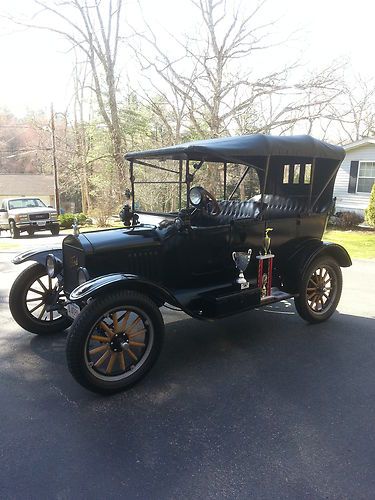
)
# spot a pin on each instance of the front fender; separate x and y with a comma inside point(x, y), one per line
point(113, 281)
point(37, 255)
point(294, 266)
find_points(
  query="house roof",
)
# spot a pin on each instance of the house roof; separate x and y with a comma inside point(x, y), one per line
point(245, 148)
point(26, 185)
point(359, 143)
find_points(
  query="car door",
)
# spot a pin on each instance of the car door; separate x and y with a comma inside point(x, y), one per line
point(209, 251)
point(248, 234)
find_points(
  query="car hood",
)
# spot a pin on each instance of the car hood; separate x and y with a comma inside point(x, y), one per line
point(111, 240)
point(32, 210)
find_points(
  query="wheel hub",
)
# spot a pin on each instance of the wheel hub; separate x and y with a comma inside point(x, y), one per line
point(49, 298)
point(119, 342)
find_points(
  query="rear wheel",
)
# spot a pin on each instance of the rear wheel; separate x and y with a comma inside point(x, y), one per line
point(30, 297)
point(320, 290)
point(14, 231)
point(114, 341)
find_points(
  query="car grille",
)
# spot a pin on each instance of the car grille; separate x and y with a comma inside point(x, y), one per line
point(73, 259)
point(38, 216)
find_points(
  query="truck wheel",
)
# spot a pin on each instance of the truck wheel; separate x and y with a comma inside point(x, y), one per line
point(31, 232)
point(320, 290)
point(114, 341)
point(55, 231)
point(14, 231)
point(29, 297)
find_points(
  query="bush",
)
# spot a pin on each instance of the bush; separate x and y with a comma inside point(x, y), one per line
point(67, 220)
point(102, 216)
point(346, 220)
point(370, 211)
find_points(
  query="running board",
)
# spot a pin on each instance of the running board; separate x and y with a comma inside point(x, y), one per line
point(276, 296)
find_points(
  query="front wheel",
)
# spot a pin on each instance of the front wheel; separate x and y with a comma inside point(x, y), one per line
point(114, 341)
point(319, 291)
point(55, 231)
point(14, 231)
point(30, 299)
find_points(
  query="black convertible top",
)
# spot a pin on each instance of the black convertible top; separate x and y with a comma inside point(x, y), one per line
point(244, 148)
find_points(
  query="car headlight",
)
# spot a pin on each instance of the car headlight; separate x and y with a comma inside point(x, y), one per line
point(196, 196)
point(21, 217)
point(82, 275)
point(53, 265)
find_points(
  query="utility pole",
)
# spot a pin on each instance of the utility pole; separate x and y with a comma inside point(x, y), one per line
point(55, 172)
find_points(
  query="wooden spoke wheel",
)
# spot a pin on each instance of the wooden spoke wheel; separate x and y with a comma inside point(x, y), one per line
point(114, 341)
point(32, 300)
point(320, 290)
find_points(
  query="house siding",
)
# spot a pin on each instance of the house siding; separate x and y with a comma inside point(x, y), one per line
point(356, 202)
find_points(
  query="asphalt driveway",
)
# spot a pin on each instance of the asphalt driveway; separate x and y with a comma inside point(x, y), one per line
point(260, 405)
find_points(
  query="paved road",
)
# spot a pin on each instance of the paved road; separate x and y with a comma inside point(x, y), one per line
point(257, 406)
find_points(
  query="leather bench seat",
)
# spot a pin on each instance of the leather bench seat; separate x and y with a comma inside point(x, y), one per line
point(274, 207)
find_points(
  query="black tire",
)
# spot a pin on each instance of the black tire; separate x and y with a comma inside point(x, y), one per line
point(14, 231)
point(115, 346)
point(25, 295)
point(31, 232)
point(320, 290)
point(55, 231)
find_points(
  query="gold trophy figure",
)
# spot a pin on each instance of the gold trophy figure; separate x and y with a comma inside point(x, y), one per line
point(267, 241)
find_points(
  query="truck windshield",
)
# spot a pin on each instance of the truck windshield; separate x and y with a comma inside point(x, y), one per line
point(25, 203)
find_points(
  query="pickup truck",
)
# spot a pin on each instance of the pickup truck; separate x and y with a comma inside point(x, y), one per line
point(27, 214)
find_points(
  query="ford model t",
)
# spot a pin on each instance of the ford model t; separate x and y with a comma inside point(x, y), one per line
point(250, 236)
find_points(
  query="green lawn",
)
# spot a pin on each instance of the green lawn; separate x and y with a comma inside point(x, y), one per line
point(359, 244)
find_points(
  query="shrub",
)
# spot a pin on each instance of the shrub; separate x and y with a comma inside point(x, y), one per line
point(370, 211)
point(67, 220)
point(346, 220)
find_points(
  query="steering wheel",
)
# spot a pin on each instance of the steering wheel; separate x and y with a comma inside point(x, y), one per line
point(216, 207)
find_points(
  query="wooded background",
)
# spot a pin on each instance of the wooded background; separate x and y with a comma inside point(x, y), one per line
point(134, 92)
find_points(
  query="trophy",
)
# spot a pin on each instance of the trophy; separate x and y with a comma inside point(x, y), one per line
point(265, 263)
point(242, 259)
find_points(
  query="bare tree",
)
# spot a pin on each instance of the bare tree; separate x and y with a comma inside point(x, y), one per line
point(355, 111)
point(221, 81)
point(91, 27)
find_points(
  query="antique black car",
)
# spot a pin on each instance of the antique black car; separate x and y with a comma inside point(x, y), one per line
point(246, 245)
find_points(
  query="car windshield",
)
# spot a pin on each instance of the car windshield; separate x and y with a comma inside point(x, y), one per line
point(25, 203)
point(165, 191)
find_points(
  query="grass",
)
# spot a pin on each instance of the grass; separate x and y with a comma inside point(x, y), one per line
point(359, 243)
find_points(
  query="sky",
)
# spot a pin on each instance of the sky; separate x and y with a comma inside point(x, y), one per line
point(36, 65)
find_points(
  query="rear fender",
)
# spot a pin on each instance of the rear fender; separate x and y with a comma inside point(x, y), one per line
point(37, 255)
point(294, 266)
point(115, 281)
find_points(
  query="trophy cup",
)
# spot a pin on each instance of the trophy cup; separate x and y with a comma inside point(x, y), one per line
point(242, 259)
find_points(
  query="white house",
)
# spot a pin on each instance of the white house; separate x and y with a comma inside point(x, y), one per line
point(356, 176)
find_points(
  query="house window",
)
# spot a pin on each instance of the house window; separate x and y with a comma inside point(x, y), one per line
point(366, 176)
